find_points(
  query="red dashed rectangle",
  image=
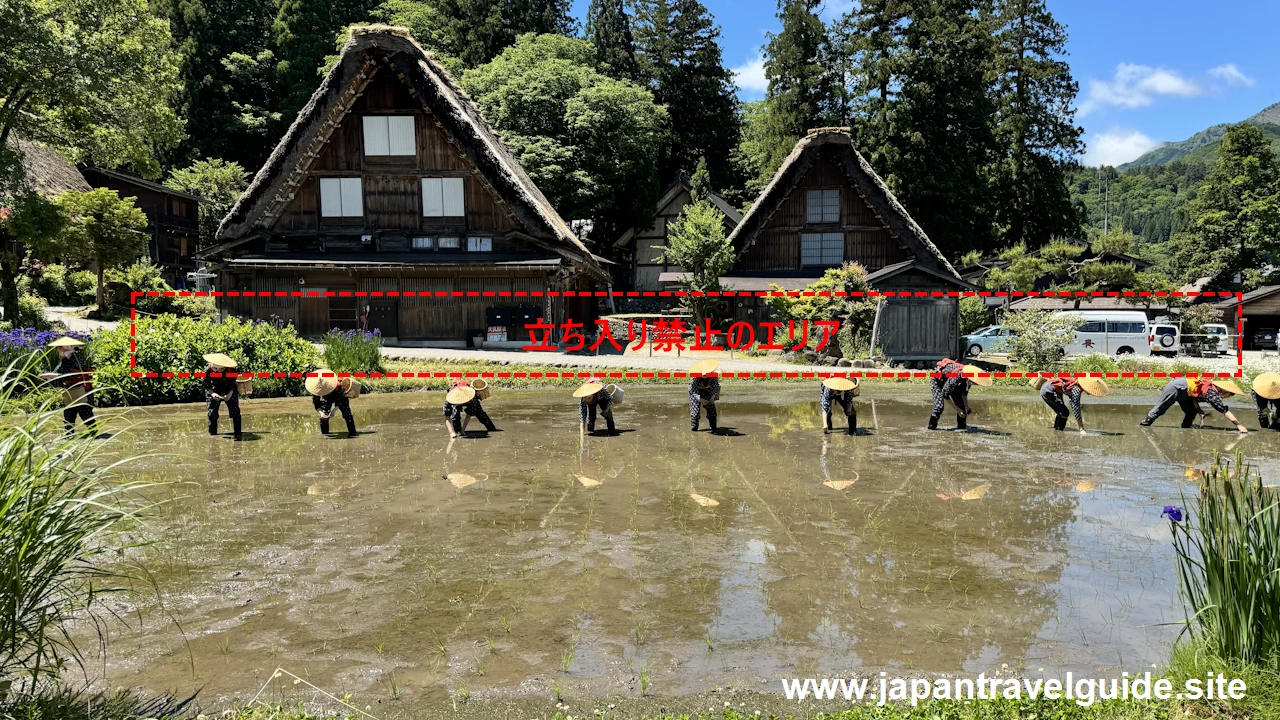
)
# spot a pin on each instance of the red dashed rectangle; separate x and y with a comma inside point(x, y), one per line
point(137, 372)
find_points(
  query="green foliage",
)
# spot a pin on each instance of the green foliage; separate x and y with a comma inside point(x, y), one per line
point(217, 183)
point(696, 242)
point(62, 514)
point(1194, 318)
point(1038, 337)
point(760, 150)
point(31, 313)
point(1148, 202)
point(167, 343)
point(144, 277)
point(1093, 363)
point(586, 139)
point(801, 85)
point(61, 285)
point(352, 351)
point(474, 32)
point(700, 182)
point(1235, 219)
point(608, 28)
point(1228, 550)
point(856, 313)
point(103, 229)
point(678, 46)
point(32, 225)
point(302, 36)
point(974, 314)
point(1116, 241)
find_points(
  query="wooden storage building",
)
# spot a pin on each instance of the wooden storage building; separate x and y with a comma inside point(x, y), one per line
point(173, 222)
point(389, 194)
point(826, 206)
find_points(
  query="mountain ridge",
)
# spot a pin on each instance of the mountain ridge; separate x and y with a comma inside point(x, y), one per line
point(1202, 145)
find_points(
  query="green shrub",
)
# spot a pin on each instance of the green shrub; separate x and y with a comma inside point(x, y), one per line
point(1037, 337)
point(144, 277)
point(353, 351)
point(31, 314)
point(1093, 363)
point(168, 343)
point(1228, 553)
point(60, 285)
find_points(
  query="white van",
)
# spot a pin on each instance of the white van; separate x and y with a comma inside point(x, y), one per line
point(1110, 332)
point(1218, 340)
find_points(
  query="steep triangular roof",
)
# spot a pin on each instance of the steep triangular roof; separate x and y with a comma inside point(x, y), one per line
point(685, 183)
point(48, 172)
point(384, 49)
point(868, 184)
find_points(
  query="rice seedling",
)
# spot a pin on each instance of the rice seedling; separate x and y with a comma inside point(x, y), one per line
point(62, 512)
point(566, 660)
point(1228, 550)
point(224, 646)
point(395, 689)
point(646, 676)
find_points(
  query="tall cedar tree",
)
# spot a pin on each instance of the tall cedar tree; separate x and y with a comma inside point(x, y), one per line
point(943, 145)
point(868, 41)
point(801, 87)
point(1035, 125)
point(679, 46)
point(1235, 217)
point(303, 34)
point(223, 111)
point(608, 27)
point(477, 31)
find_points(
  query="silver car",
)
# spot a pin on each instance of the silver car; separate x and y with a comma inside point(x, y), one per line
point(984, 340)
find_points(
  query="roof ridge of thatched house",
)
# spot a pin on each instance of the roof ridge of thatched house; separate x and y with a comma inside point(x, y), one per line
point(48, 171)
point(869, 184)
point(272, 187)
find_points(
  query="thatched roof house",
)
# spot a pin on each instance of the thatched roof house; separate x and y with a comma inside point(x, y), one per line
point(48, 171)
point(390, 182)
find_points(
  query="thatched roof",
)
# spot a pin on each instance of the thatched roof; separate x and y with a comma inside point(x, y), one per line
point(49, 172)
point(374, 49)
point(868, 184)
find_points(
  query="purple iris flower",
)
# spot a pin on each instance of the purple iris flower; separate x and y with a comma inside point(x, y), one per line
point(1172, 512)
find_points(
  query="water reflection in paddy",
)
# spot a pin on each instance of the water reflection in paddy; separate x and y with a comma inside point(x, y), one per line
point(490, 564)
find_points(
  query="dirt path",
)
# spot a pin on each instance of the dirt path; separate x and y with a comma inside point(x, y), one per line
point(640, 361)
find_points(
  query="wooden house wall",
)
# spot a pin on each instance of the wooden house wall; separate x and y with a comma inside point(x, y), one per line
point(867, 239)
point(392, 186)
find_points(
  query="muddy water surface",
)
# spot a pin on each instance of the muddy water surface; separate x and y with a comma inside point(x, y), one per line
point(398, 563)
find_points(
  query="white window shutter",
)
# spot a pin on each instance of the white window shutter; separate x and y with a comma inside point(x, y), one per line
point(352, 198)
point(432, 198)
point(330, 197)
point(400, 136)
point(453, 198)
point(376, 141)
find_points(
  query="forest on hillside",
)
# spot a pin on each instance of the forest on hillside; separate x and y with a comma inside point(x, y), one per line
point(965, 107)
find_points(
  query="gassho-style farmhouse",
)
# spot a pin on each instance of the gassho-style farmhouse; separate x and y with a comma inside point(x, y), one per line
point(390, 182)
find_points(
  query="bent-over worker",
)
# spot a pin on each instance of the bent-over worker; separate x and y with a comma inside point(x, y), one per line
point(593, 396)
point(75, 375)
point(838, 391)
point(220, 387)
point(1266, 397)
point(950, 386)
point(1063, 395)
point(329, 396)
point(704, 391)
point(462, 400)
point(1189, 394)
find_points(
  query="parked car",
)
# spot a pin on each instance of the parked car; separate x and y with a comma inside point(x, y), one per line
point(1165, 340)
point(1218, 340)
point(1265, 339)
point(984, 340)
point(1109, 332)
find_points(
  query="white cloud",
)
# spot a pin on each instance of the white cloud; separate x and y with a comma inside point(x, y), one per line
point(1136, 86)
point(750, 75)
point(1116, 147)
point(1229, 75)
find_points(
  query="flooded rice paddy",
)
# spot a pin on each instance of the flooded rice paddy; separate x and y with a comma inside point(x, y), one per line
point(400, 564)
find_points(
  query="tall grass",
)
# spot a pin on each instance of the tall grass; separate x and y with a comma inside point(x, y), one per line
point(1228, 556)
point(61, 514)
point(353, 351)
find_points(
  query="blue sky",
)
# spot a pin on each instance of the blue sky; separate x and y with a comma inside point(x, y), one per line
point(1148, 71)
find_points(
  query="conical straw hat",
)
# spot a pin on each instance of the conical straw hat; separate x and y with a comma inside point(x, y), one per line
point(460, 395)
point(1228, 386)
point(588, 388)
point(704, 367)
point(65, 341)
point(220, 360)
point(321, 386)
point(1267, 385)
point(973, 372)
point(840, 384)
point(1094, 386)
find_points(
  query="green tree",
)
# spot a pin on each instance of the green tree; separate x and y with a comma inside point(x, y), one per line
point(868, 42)
point(1038, 337)
point(471, 33)
point(974, 314)
point(90, 78)
point(697, 243)
point(1117, 242)
point(217, 183)
point(1235, 218)
point(104, 229)
point(302, 36)
point(801, 86)
point(608, 27)
point(1035, 125)
point(760, 151)
point(700, 181)
point(679, 47)
point(943, 148)
point(224, 69)
point(586, 139)
point(856, 313)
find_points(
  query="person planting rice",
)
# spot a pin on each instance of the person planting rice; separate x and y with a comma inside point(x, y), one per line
point(1189, 394)
point(838, 391)
point(704, 391)
point(462, 400)
point(1266, 396)
point(331, 395)
point(74, 373)
point(949, 386)
point(592, 396)
point(220, 387)
point(1061, 393)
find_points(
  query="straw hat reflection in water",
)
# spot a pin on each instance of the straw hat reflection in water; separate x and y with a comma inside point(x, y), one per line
point(460, 395)
point(1267, 385)
point(461, 480)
